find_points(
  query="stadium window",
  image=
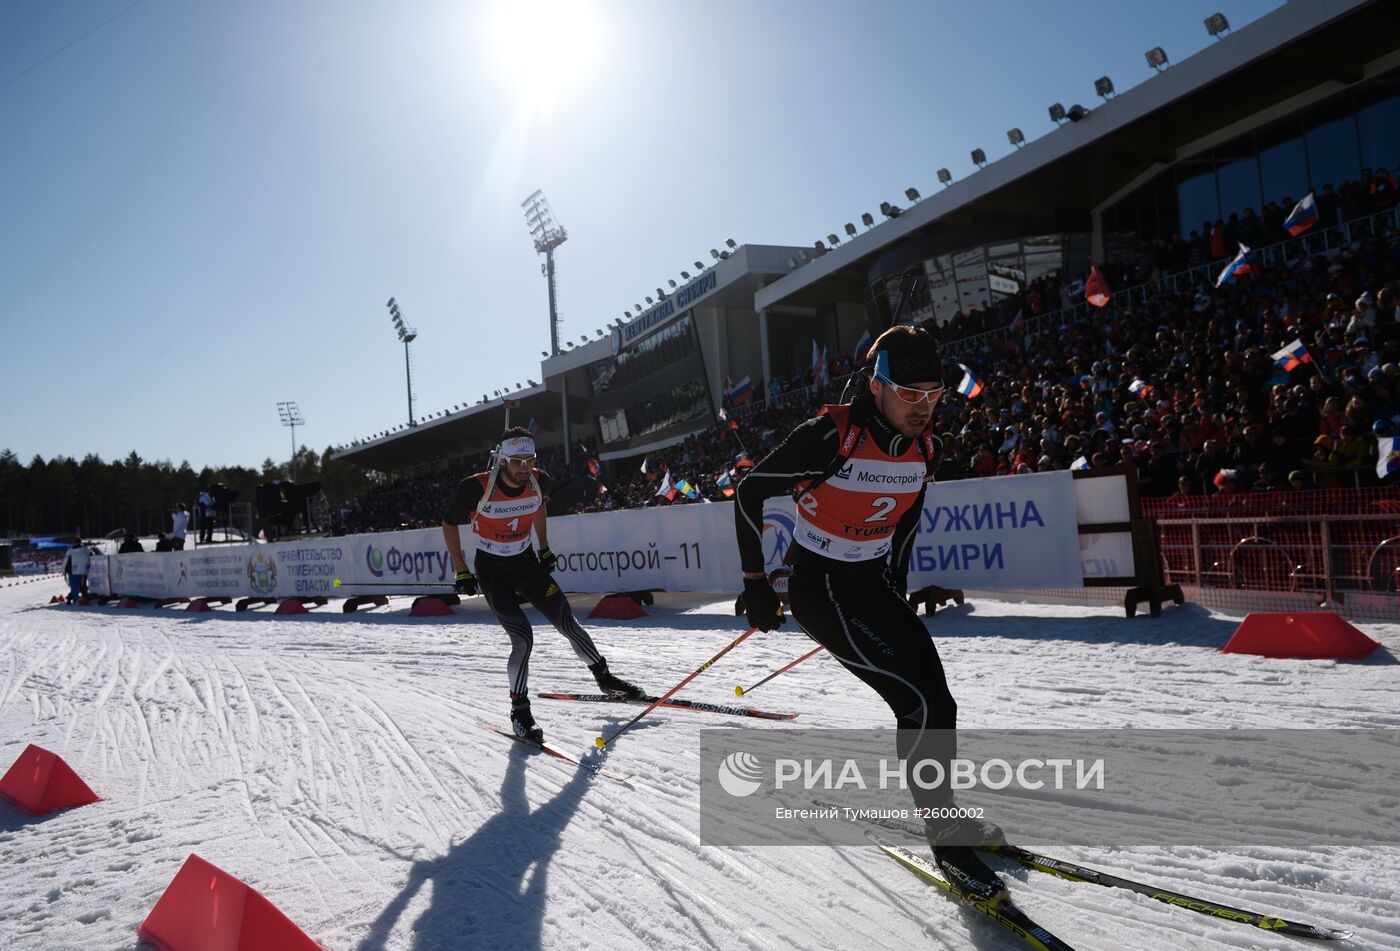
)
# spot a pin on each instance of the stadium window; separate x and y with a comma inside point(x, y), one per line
point(1238, 176)
point(1283, 163)
point(1196, 197)
point(1333, 153)
point(1378, 115)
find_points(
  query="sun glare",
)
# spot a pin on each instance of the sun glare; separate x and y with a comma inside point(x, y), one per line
point(543, 47)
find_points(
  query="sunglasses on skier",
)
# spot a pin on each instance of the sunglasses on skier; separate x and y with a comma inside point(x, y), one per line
point(911, 394)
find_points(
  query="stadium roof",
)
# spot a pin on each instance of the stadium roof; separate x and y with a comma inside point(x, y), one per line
point(1052, 184)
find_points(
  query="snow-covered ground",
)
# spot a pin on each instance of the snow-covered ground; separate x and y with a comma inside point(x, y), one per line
point(338, 763)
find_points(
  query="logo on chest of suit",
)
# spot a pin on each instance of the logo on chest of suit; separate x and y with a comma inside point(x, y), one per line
point(845, 471)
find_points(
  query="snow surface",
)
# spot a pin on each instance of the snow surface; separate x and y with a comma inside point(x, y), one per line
point(338, 764)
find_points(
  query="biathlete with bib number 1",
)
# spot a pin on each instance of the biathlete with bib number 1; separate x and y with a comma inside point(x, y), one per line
point(858, 472)
point(504, 505)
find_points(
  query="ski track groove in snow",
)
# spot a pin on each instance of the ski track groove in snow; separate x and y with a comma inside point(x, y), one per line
point(339, 765)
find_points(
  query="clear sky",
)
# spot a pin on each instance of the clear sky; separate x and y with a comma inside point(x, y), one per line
point(204, 206)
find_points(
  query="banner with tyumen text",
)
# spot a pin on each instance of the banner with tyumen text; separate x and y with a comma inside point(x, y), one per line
point(1017, 531)
point(1002, 532)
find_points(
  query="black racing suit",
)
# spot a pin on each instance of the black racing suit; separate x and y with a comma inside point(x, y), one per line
point(853, 609)
point(505, 580)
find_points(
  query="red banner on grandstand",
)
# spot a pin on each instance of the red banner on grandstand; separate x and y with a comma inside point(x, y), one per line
point(1096, 289)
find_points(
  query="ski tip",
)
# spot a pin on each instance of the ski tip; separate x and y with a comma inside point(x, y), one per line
point(599, 742)
point(738, 691)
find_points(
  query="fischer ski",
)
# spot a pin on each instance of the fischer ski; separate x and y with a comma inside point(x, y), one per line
point(1082, 873)
point(696, 705)
point(1003, 911)
point(594, 768)
point(1038, 862)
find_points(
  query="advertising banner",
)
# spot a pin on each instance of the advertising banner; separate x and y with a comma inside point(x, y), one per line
point(1006, 532)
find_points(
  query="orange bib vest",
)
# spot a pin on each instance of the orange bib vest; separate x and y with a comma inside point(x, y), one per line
point(851, 515)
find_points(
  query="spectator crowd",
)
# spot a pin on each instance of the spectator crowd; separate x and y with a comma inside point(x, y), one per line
point(1181, 384)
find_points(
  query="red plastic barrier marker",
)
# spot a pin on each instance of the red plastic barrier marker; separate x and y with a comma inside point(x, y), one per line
point(290, 606)
point(617, 607)
point(206, 909)
point(40, 782)
point(198, 605)
point(1311, 635)
point(430, 607)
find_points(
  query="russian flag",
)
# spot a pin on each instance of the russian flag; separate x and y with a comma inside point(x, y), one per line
point(1242, 264)
point(1302, 217)
point(1140, 388)
point(862, 347)
point(594, 467)
point(651, 476)
point(971, 385)
point(1389, 461)
point(667, 490)
point(1292, 355)
point(741, 392)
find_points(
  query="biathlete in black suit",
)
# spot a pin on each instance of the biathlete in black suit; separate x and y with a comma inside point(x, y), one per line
point(858, 473)
point(503, 505)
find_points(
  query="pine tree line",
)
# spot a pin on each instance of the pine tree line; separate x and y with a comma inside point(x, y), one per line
point(65, 495)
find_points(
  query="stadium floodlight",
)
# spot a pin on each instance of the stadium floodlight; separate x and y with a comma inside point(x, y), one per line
point(699, 265)
point(583, 338)
point(407, 335)
point(531, 383)
point(1076, 112)
point(912, 194)
point(890, 211)
point(600, 333)
point(804, 256)
point(291, 416)
point(1015, 137)
point(714, 254)
point(724, 255)
point(850, 230)
point(979, 158)
point(660, 294)
point(1057, 114)
point(729, 243)
point(649, 301)
point(544, 353)
point(1104, 87)
point(1217, 24)
point(548, 235)
point(819, 248)
point(867, 219)
point(671, 283)
point(832, 240)
point(685, 275)
point(792, 263)
point(1156, 58)
point(637, 308)
point(945, 177)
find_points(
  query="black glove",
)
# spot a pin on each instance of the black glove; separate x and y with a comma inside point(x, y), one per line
point(898, 580)
point(761, 605)
point(465, 583)
point(548, 559)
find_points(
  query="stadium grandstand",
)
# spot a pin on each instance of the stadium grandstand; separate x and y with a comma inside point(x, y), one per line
point(1151, 195)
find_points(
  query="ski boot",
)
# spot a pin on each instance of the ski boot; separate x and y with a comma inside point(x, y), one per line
point(522, 721)
point(955, 842)
point(615, 687)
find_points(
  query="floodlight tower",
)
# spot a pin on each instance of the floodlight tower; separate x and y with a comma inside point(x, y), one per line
point(291, 416)
point(548, 235)
point(407, 335)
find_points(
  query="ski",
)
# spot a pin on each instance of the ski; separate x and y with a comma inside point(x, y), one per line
point(1082, 873)
point(1003, 911)
point(696, 705)
point(1038, 862)
point(594, 768)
